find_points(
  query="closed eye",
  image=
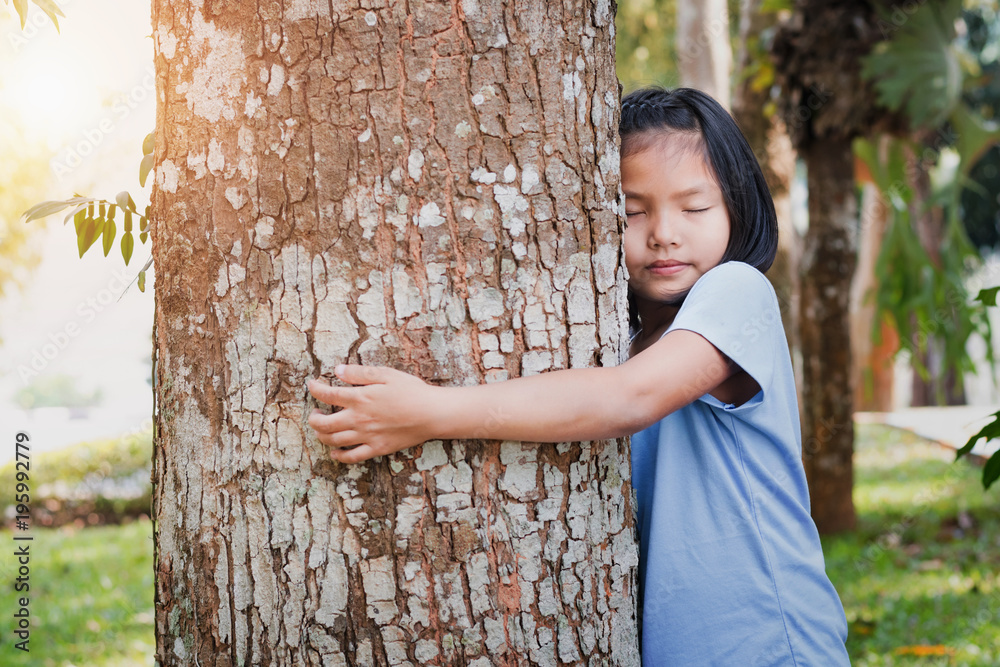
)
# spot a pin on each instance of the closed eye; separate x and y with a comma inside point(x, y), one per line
point(696, 210)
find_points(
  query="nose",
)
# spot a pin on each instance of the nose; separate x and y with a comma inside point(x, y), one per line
point(663, 231)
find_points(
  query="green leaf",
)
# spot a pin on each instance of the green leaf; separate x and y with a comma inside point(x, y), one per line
point(87, 235)
point(144, 168)
point(990, 431)
point(143, 235)
point(143, 222)
point(109, 235)
point(149, 143)
point(988, 296)
point(142, 281)
point(919, 70)
point(128, 244)
point(991, 471)
point(128, 220)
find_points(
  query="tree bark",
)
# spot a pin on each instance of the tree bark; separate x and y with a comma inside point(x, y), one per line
point(828, 263)
point(429, 186)
point(704, 55)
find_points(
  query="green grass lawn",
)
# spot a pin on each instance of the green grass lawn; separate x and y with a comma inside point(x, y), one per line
point(91, 597)
point(920, 577)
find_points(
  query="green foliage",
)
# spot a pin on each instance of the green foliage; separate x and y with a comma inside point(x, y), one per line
point(50, 8)
point(55, 391)
point(991, 471)
point(95, 219)
point(922, 567)
point(923, 300)
point(645, 47)
point(920, 69)
point(110, 476)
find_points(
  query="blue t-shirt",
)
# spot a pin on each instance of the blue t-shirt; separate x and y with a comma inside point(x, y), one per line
point(731, 568)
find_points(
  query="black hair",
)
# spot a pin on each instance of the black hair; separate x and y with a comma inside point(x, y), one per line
point(649, 112)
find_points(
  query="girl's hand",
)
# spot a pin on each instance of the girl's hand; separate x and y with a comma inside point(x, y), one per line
point(390, 411)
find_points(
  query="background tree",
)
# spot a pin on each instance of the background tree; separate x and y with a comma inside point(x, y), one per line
point(428, 186)
point(755, 108)
point(704, 52)
point(826, 104)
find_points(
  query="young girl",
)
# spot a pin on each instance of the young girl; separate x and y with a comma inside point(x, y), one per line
point(731, 569)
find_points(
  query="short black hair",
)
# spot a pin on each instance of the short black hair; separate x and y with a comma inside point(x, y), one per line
point(649, 112)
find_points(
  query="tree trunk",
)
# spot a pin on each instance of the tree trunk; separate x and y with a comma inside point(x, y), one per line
point(872, 363)
point(828, 263)
point(704, 55)
point(767, 134)
point(940, 387)
point(422, 185)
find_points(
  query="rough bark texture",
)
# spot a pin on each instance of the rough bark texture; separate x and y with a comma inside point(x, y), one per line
point(426, 185)
point(767, 134)
point(827, 268)
point(826, 103)
point(704, 55)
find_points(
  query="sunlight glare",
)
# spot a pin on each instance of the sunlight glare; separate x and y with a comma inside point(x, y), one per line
point(49, 93)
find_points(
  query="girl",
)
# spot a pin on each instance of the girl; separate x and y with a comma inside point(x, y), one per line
point(731, 569)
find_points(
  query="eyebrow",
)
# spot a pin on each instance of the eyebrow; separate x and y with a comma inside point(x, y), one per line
point(696, 190)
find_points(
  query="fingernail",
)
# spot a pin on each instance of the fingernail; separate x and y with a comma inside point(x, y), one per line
point(339, 370)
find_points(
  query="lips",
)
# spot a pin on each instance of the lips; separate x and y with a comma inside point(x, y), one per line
point(666, 267)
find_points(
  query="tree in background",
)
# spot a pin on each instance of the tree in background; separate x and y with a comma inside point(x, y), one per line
point(827, 104)
point(704, 52)
point(755, 107)
point(427, 186)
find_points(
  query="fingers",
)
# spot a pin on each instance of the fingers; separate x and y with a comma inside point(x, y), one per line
point(354, 454)
point(324, 423)
point(339, 396)
point(357, 374)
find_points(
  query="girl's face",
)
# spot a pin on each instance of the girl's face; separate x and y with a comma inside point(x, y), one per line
point(677, 223)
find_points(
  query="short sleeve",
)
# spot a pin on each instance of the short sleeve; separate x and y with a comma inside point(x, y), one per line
point(733, 306)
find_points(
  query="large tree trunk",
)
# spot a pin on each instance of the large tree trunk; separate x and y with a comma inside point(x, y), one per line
point(423, 185)
point(827, 268)
point(704, 55)
point(768, 136)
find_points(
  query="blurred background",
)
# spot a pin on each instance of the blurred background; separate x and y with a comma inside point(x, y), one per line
point(913, 538)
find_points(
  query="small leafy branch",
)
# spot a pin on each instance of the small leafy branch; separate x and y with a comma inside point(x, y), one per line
point(95, 218)
point(47, 6)
point(991, 471)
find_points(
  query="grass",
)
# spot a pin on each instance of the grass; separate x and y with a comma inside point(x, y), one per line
point(919, 577)
point(91, 597)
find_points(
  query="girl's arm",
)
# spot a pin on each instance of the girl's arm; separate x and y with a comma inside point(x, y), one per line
point(393, 410)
